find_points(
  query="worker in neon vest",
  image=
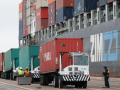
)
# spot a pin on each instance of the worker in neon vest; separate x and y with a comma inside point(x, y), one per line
point(21, 72)
point(27, 72)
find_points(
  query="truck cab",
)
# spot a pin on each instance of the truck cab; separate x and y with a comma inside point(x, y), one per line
point(77, 73)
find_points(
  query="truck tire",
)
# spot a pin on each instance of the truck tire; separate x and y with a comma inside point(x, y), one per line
point(60, 83)
point(55, 81)
point(14, 78)
point(44, 80)
point(0, 74)
point(41, 80)
point(32, 80)
point(85, 84)
point(76, 86)
point(47, 81)
point(5, 75)
point(11, 76)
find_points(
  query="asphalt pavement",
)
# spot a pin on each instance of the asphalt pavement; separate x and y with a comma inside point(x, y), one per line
point(92, 85)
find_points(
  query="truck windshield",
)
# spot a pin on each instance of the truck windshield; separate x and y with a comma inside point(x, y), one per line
point(81, 60)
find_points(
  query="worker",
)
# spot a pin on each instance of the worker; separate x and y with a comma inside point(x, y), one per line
point(106, 76)
point(27, 73)
point(21, 72)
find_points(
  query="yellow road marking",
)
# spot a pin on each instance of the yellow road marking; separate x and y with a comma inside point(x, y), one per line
point(16, 86)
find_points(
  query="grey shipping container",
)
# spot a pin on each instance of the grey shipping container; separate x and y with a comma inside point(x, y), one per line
point(82, 6)
point(20, 33)
point(30, 3)
point(102, 2)
point(64, 14)
point(20, 25)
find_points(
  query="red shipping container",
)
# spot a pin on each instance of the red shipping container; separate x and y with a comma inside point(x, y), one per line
point(64, 3)
point(42, 13)
point(52, 8)
point(24, 22)
point(41, 24)
point(24, 3)
point(50, 53)
point(24, 32)
point(1, 61)
point(51, 19)
point(109, 1)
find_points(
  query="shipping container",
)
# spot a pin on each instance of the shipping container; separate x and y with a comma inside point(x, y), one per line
point(28, 20)
point(52, 19)
point(20, 25)
point(109, 1)
point(82, 6)
point(41, 3)
point(41, 24)
point(102, 2)
point(24, 32)
point(20, 7)
point(11, 55)
point(26, 54)
point(64, 3)
point(28, 30)
point(50, 53)
point(29, 11)
point(29, 3)
point(24, 22)
point(52, 8)
point(24, 3)
point(51, 1)
point(20, 33)
point(64, 14)
point(1, 61)
point(24, 13)
point(42, 13)
point(20, 16)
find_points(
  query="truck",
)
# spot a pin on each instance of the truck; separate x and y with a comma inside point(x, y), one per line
point(29, 58)
point(1, 63)
point(62, 61)
point(10, 64)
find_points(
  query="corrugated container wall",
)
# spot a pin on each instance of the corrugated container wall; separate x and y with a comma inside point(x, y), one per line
point(29, 3)
point(10, 55)
point(52, 8)
point(29, 11)
point(102, 2)
point(41, 24)
point(41, 3)
point(52, 50)
point(51, 1)
point(20, 16)
point(1, 61)
point(24, 18)
point(64, 14)
point(20, 25)
point(28, 21)
point(20, 7)
point(20, 33)
point(108, 1)
point(64, 3)
point(28, 30)
point(26, 54)
point(81, 6)
point(42, 13)
point(52, 19)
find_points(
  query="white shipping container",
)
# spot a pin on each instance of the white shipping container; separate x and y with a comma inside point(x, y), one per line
point(28, 20)
point(20, 16)
point(29, 29)
point(30, 3)
point(29, 11)
point(41, 3)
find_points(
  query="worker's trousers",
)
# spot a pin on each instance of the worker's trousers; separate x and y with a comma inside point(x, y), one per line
point(106, 81)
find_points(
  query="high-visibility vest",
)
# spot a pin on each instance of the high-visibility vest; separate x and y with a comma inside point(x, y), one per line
point(21, 72)
point(27, 73)
point(108, 71)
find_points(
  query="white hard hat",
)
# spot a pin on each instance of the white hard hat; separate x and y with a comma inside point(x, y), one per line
point(20, 67)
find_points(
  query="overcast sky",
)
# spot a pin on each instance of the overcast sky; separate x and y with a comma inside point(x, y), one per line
point(9, 24)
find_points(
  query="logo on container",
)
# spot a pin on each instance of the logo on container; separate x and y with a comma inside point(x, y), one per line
point(38, 14)
point(79, 7)
point(104, 46)
point(47, 56)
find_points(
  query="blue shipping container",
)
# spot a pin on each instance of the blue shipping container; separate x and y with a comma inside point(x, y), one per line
point(20, 25)
point(64, 14)
point(20, 33)
point(81, 6)
point(102, 2)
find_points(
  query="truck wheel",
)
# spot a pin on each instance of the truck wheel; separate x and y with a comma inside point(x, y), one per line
point(76, 86)
point(14, 78)
point(47, 81)
point(55, 81)
point(60, 83)
point(11, 76)
point(44, 80)
point(5, 75)
point(85, 84)
point(32, 80)
point(41, 79)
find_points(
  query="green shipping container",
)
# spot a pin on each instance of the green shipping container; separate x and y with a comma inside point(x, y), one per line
point(10, 55)
point(26, 54)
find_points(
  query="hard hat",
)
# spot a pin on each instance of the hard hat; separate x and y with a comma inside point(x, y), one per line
point(20, 67)
point(26, 67)
point(104, 66)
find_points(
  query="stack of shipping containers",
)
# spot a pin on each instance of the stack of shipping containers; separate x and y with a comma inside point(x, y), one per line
point(24, 18)
point(51, 12)
point(20, 20)
point(29, 12)
point(1, 62)
point(64, 10)
point(41, 14)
